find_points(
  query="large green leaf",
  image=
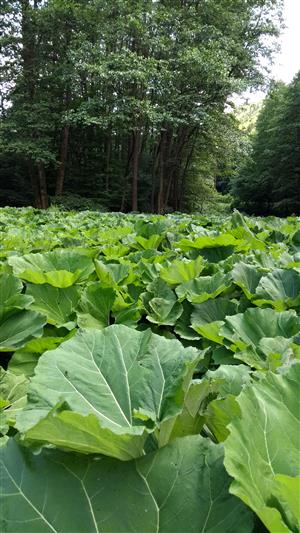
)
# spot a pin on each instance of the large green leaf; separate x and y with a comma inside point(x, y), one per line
point(208, 241)
point(152, 243)
point(125, 380)
point(280, 288)
point(208, 317)
point(13, 391)
point(10, 295)
point(247, 332)
point(247, 277)
point(113, 274)
point(95, 306)
point(161, 303)
point(201, 289)
point(227, 381)
point(17, 329)
point(181, 271)
point(57, 304)
point(264, 443)
point(182, 488)
point(61, 268)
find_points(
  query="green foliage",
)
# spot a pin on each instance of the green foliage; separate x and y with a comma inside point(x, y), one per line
point(75, 202)
point(123, 103)
point(137, 495)
point(268, 181)
point(135, 349)
point(266, 479)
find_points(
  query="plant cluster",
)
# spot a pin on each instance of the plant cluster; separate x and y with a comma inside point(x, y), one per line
point(149, 373)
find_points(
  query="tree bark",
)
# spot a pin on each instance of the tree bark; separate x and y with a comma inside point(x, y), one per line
point(108, 157)
point(43, 186)
point(160, 198)
point(135, 169)
point(34, 185)
point(59, 189)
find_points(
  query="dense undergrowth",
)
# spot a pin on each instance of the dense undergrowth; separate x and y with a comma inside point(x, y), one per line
point(150, 373)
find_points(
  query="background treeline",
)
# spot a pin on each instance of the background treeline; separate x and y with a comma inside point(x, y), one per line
point(124, 101)
point(269, 182)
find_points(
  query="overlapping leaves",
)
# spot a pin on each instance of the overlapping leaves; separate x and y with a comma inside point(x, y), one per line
point(130, 403)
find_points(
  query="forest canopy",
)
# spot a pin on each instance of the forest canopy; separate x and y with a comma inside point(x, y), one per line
point(125, 101)
point(269, 181)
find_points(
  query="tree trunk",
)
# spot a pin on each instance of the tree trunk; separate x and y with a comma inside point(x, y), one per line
point(43, 186)
point(135, 170)
point(62, 161)
point(34, 185)
point(154, 170)
point(108, 157)
point(127, 172)
point(184, 175)
point(160, 198)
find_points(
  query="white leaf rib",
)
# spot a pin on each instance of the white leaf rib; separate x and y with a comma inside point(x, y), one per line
point(41, 516)
point(108, 386)
point(89, 403)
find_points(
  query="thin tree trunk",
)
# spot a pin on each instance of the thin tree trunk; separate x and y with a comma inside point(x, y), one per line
point(184, 175)
point(154, 169)
point(62, 161)
point(34, 185)
point(108, 156)
point(126, 174)
point(160, 198)
point(135, 170)
point(43, 186)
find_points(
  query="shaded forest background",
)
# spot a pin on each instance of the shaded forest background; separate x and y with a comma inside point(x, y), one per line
point(127, 104)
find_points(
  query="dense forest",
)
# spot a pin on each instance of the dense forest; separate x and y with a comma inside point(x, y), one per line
point(269, 180)
point(125, 102)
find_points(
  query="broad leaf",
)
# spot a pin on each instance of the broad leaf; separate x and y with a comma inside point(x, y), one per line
point(280, 288)
point(113, 275)
point(19, 328)
point(95, 306)
point(10, 295)
point(13, 391)
point(182, 488)
point(126, 379)
point(61, 268)
point(246, 332)
point(57, 304)
point(208, 241)
point(208, 317)
point(190, 421)
point(227, 381)
point(247, 277)
point(161, 303)
point(201, 289)
point(181, 271)
point(254, 454)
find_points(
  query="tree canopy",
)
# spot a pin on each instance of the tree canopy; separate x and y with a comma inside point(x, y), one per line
point(269, 181)
point(123, 101)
